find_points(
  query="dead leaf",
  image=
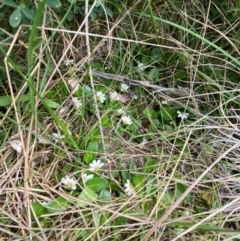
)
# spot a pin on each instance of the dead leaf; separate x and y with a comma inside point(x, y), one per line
point(74, 84)
point(115, 96)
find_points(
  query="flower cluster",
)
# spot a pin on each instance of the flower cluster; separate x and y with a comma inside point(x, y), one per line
point(96, 165)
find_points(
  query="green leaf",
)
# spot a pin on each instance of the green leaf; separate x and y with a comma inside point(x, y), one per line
point(28, 13)
point(115, 187)
point(37, 42)
point(156, 54)
point(93, 147)
point(39, 209)
point(105, 122)
point(52, 104)
point(7, 100)
point(150, 164)
point(105, 195)
point(167, 198)
point(58, 205)
point(124, 173)
point(15, 18)
point(54, 3)
point(97, 184)
point(138, 182)
point(154, 74)
point(91, 153)
point(109, 12)
point(88, 157)
point(37, 22)
point(133, 166)
point(167, 113)
point(151, 186)
point(9, 3)
point(86, 196)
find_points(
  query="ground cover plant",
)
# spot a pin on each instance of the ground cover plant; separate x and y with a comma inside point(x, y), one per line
point(119, 120)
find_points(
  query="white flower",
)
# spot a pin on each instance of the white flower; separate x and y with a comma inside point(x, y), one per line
point(86, 177)
point(95, 165)
point(164, 102)
point(134, 97)
point(183, 116)
point(124, 87)
point(129, 190)
point(77, 103)
point(120, 111)
point(100, 96)
point(57, 136)
point(68, 61)
point(16, 145)
point(69, 183)
point(140, 66)
point(45, 203)
point(126, 120)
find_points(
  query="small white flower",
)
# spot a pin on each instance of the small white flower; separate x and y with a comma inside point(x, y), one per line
point(140, 66)
point(120, 111)
point(45, 203)
point(134, 97)
point(57, 136)
point(129, 189)
point(68, 62)
point(164, 102)
point(77, 103)
point(183, 116)
point(16, 145)
point(187, 213)
point(86, 177)
point(100, 96)
point(126, 120)
point(95, 165)
point(69, 183)
point(124, 87)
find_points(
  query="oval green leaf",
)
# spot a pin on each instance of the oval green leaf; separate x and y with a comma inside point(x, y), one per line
point(9, 3)
point(54, 3)
point(138, 182)
point(58, 205)
point(150, 164)
point(27, 13)
point(52, 104)
point(39, 209)
point(86, 197)
point(15, 18)
point(105, 195)
point(97, 184)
